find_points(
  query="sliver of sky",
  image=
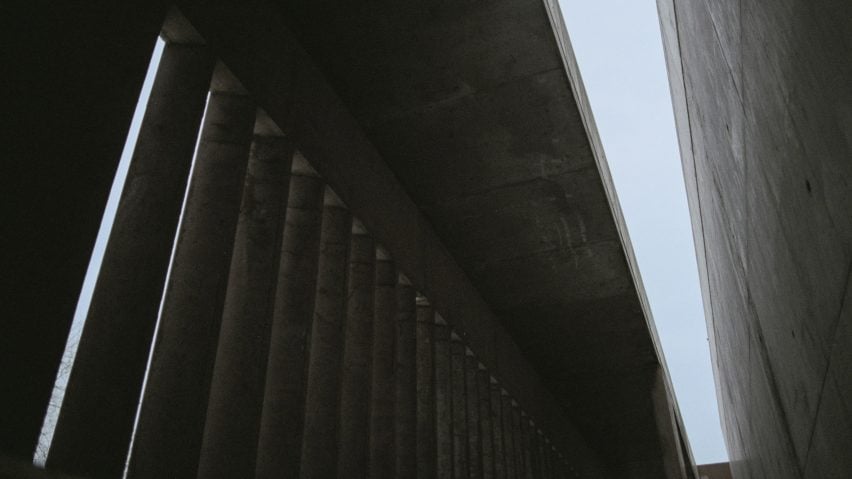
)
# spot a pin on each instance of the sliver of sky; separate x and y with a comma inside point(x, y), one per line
point(620, 53)
point(52, 415)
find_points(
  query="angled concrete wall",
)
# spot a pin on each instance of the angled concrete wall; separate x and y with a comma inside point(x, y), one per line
point(763, 100)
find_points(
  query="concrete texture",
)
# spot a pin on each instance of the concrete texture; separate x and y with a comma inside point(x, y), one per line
point(470, 120)
point(500, 467)
point(486, 427)
point(474, 437)
point(511, 228)
point(762, 97)
point(279, 445)
point(427, 397)
point(170, 421)
point(405, 381)
point(235, 406)
point(325, 354)
point(509, 437)
point(382, 379)
point(443, 402)
point(103, 390)
point(459, 408)
point(354, 432)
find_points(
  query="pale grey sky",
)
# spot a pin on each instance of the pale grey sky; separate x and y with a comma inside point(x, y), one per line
point(619, 49)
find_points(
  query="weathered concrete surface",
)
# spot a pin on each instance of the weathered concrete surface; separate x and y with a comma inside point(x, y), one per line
point(103, 389)
point(405, 381)
point(486, 427)
point(382, 378)
point(322, 393)
point(357, 356)
point(763, 95)
point(443, 403)
point(69, 112)
point(474, 438)
point(170, 421)
point(497, 430)
point(459, 408)
point(235, 406)
point(427, 399)
point(470, 109)
point(472, 106)
point(280, 437)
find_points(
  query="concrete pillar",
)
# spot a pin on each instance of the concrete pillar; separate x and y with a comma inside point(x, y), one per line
point(279, 446)
point(96, 420)
point(357, 356)
point(497, 429)
point(509, 437)
point(443, 400)
point(460, 430)
point(486, 428)
point(542, 455)
point(425, 390)
point(71, 80)
point(171, 416)
point(546, 466)
point(527, 447)
point(517, 434)
point(405, 405)
point(322, 400)
point(234, 409)
point(383, 387)
point(474, 437)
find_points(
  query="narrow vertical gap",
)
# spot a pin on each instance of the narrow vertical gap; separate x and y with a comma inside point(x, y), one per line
point(82, 310)
point(166, 283)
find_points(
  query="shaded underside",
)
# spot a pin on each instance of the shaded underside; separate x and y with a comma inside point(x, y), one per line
point(470, 105)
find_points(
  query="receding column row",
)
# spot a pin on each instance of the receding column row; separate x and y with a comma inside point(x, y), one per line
point(279, 338)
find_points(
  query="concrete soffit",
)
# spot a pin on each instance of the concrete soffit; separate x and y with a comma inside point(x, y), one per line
point(572, 70)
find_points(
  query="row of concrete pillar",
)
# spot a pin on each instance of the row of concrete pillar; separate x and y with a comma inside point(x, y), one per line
point(276, 338)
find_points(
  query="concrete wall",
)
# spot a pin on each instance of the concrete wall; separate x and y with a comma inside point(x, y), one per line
point(763, 99)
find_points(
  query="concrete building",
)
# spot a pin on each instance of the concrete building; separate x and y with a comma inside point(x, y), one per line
point(763, 102)
point(399, 253)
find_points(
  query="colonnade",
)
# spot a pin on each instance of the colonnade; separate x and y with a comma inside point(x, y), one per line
point(276, 338)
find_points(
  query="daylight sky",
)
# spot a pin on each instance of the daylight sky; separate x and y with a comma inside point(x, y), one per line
point(620, 53)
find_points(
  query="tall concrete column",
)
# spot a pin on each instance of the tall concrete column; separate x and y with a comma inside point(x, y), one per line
point(425, 390)
point(542, 457)
point(497, 429)
point(381, 442)
point(171, 416)
point(527, 447)
point(517, 434)
point(229, 447)
point(546, 470)
point(474, 437)
point(486, 428)
point(443, 400)
point(93, 430)
point(508, 437)
point(460, 429)
point(322, 400)
point(279, 445)
point(405, 405)
point(357, 357)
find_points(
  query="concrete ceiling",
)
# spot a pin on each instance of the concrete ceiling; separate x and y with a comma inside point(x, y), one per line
point(470, 105)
